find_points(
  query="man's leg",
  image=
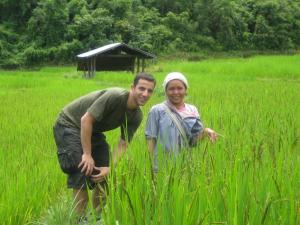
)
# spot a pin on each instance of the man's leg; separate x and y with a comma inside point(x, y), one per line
point(100, 153)
point(99, 196)
point(69, 156)
point(80, 200)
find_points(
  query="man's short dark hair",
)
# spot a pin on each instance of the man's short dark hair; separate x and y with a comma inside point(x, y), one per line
point(144, 76)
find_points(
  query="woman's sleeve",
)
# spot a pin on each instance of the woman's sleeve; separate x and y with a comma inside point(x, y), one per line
point(152, 124)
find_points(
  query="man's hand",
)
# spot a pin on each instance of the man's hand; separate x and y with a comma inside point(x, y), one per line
point(100, 174)
point(87, 164)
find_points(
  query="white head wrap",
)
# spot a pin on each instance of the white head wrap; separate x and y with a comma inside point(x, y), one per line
point(175, 76)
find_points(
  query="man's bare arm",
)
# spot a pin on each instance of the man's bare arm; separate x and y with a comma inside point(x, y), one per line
point(87, 162)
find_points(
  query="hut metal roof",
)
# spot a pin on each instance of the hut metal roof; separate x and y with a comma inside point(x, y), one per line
point(116, 46)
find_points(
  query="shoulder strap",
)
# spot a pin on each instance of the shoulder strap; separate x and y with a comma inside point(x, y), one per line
point(177, 123)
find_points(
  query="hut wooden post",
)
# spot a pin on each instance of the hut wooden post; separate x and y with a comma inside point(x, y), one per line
point(89, 68)
point(94, 66)
point(138, 65)
point(143, 65)
point(133, 66)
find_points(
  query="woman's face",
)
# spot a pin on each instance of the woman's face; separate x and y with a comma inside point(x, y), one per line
point(175, 92)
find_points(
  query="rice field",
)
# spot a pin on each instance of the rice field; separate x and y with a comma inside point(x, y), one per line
point(250, 176)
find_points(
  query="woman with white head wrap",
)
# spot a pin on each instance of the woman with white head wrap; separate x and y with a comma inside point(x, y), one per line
point(175, 124)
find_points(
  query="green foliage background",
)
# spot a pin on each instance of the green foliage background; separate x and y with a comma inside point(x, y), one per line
point(54, 31)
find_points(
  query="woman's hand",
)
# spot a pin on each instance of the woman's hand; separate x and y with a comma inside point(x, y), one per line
point(212, 135)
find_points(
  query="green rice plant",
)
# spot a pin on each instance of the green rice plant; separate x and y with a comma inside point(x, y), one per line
point(250, 176)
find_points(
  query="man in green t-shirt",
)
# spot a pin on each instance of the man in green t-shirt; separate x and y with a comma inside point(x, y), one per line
point(83, 152)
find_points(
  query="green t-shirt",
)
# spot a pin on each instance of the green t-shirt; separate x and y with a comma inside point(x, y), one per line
point(109, 108)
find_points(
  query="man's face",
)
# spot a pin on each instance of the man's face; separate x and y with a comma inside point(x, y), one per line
point(142, 91)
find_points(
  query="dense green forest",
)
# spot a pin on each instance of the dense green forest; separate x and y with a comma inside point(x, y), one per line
point(54, 31)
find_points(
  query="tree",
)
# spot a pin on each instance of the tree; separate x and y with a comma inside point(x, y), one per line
point(183, 30)
point(92, 28)
point(48, 23)
point(223, 21)
point(274, 23)
point(17, 12)
point(149, 31)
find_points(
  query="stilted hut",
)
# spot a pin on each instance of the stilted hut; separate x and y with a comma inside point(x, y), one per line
point(112, 57)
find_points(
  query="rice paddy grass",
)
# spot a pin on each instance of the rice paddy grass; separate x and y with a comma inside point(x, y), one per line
point(250, 176)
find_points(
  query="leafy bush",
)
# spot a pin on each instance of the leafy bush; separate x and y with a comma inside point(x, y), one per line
point(36, 31)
